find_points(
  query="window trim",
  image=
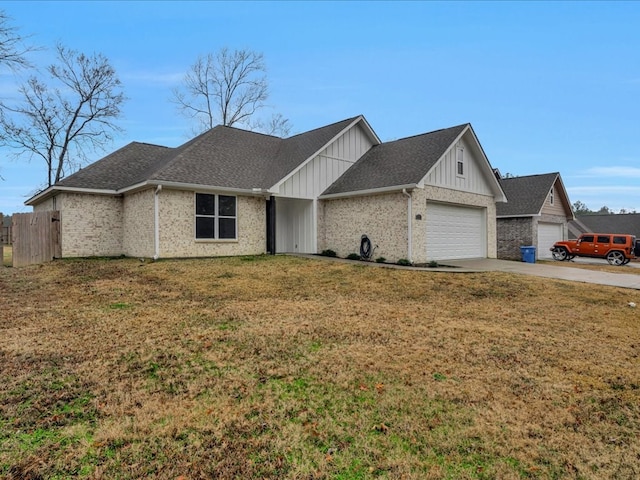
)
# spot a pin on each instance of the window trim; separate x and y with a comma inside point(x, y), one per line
point(216, 218)
point(551, 196)
point(460, 163)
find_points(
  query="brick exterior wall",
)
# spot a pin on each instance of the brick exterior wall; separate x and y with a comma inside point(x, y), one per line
point(383, 218)
point(47, 205)
point(96, 225)
point(90, 225)
point(514, 233)
point(138, 224)
point(517, 232)
point(177, 228)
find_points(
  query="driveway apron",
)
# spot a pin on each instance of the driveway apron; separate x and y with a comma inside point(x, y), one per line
point(624, 280)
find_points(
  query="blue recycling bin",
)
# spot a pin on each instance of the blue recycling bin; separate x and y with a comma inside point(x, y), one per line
point(528, 254)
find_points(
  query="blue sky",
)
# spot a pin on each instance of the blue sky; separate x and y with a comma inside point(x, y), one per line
point(547, 86)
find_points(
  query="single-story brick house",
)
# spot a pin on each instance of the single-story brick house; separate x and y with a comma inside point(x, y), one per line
point(537, 214)
point(235, 192)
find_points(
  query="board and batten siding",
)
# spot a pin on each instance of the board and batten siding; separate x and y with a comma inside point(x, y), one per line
point(444, 174)
point(558, 207)
point(315, 176)
point(294, 226)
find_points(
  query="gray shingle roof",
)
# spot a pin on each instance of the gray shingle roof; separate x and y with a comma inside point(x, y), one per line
point(628, 223)
point(129, 165)
point(525, 195)
point(400, 162)
point(221, 157)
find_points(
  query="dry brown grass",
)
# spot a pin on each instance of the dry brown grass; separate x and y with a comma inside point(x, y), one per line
point(278, 367)
point(7, 255)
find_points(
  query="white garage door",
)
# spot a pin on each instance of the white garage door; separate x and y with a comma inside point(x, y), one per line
point(455, 232)
point(548, 234)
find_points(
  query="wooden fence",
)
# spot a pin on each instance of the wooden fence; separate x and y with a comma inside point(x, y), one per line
point(36, 237)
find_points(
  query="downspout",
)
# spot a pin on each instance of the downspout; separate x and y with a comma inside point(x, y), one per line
point(156, 226)
point(409, 230)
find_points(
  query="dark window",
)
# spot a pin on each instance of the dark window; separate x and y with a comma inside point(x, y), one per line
point(587, 238)
point(619, 240)
point(215, 216)
point(205, 227)
point(226, 206)
point(604, 239)
point(460, 161)
point(205, 204)
point(227, 228)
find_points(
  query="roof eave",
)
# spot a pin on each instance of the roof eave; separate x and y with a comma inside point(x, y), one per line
point(51, 191)
point(522, 215)
point(565, 196)
point(370, 191)
point(254, 191)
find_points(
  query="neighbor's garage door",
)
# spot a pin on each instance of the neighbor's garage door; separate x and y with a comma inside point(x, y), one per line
point(548, 234)
point(455, 231)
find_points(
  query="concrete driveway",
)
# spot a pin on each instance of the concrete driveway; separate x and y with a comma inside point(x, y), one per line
point(549, 270)
point(624, 280)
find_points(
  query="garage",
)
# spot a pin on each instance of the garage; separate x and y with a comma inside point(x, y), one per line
point(548, 234)
point(455, 231)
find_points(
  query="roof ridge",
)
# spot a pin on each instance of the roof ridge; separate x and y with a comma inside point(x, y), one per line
point(529, 176)
point(427, 133)
point(247, 131)
point(150, 144)
point(181, 150)
point(351, 119)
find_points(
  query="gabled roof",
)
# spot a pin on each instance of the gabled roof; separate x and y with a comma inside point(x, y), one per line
point(232, 158)
point(405, 163)
point(628, 223)
point(223, 157)
point(527, 195)
point(398, 163)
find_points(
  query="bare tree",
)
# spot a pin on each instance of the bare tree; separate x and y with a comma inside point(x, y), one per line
point(59, 120)
point(13, 49)
point(276, 125)
point(228, 87)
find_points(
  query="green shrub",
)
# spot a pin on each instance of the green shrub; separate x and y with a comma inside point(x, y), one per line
point(433, 264)
point(381, 260)
point(353, 256)
point(404, 261)
point(328, 253)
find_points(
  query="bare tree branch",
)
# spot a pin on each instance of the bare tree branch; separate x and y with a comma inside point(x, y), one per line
point(13, 49)
point(228, 87)
point(277, 125)
point(59, 123)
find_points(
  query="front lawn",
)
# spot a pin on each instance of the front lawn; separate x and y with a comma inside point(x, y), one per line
point(282, 367)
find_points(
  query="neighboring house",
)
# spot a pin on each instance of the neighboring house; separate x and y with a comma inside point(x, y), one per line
point(536, 214)
point(628, 223)
point(234, 192)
